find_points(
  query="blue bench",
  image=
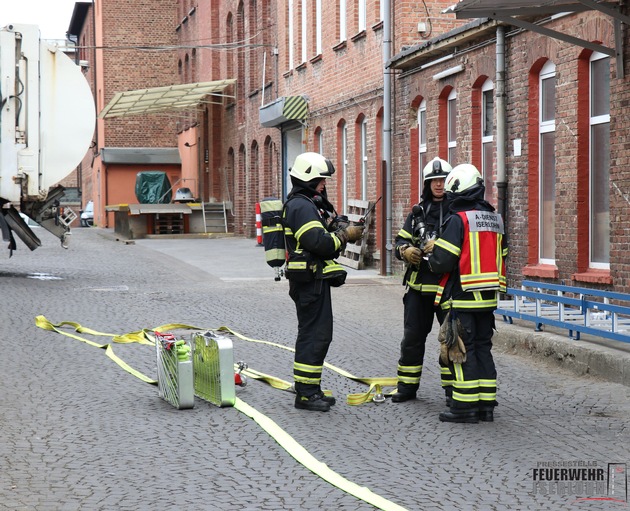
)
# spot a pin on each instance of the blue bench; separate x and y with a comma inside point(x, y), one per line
point(577, 309)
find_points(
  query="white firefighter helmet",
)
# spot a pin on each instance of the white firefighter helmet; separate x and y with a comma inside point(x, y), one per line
point(309, 166)
point(436, 168)
point(462, 178)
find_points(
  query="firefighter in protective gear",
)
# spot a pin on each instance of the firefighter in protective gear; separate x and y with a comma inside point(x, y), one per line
point(413, 243)
point(471, 254)
point(312, 271)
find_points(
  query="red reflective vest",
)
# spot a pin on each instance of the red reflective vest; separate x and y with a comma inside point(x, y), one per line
point(481, 266)
point(481, 259)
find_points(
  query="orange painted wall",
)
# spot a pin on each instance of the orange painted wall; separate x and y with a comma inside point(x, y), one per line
point(188, 145)
point(121, 183)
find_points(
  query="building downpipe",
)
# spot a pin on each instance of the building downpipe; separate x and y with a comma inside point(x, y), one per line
point(501, 124)
point(387, 135)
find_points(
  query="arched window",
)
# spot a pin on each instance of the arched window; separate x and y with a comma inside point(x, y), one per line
point(599, 174)
point(363, 155)
point(487, 134)
point(341, 20)
point(319, 140)
point(289, 25)
point(303, 31)
point(547, 162)
point(362, 15)
point(229, 60)
point(317, 28)
point(342, 143)
point(422, 142)
point(240, 69)
point(452, 126)
point(253, 38)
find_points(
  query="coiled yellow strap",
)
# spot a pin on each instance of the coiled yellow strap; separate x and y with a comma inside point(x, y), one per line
point(286, 441)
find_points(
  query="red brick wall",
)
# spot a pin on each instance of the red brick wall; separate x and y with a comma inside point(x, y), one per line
point(127, 26)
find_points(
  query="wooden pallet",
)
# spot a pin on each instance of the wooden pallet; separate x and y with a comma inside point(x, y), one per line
point(169, 223)
point(354, 254)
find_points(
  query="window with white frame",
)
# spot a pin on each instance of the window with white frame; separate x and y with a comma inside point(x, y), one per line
point(292, 145)
point(599, 174)
point(487, 134)
point(344, 167)
point(362, 9)
point(547, 163)
point(304, 31)
point(364, 160)
point(342, 20)
point(290, 30)
point(452, 126)
point(422, 143)
point(381, 10)
point(318, 27)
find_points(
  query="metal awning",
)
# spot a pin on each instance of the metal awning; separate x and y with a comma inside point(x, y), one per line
point(141, 155)
point(282, 110)
point(515, 11)
point(160, 99)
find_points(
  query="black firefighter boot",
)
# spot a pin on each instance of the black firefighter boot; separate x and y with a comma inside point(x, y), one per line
point(460, 415)
point(448, 393)
point(401, 397)
point(486, 413)
point(314, 403)
point(404, 392)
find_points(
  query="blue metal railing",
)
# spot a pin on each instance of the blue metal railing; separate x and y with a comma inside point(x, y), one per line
point(576, 309)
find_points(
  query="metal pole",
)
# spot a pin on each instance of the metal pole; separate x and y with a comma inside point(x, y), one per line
point(387, 133)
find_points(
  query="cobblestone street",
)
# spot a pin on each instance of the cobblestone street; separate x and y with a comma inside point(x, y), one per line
point(80, 433)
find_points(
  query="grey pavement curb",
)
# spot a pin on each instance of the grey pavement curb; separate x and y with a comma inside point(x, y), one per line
point(580, 357)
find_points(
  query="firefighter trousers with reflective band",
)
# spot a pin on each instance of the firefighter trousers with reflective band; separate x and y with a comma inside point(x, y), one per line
point(419, 311)
point(315, 330)
point(475, 381)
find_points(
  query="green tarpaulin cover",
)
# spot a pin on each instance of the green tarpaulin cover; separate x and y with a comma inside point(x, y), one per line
point(153, 187)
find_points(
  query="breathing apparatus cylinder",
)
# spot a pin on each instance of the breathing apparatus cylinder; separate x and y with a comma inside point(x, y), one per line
point(273, 232)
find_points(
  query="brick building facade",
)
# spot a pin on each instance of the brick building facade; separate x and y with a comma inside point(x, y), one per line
point(283, 49)
point(565, 160)
point(444, 102)
point(328, 53)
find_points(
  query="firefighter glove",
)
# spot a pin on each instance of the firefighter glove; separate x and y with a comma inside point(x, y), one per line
point(412, 255)
point(450, 337)
point(427, 248)
point(457, 352)
point(354, 232)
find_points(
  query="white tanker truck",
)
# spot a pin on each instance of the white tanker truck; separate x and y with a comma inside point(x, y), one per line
point(47, 119)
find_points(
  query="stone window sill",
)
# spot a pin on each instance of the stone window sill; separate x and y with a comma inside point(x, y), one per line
point(546, 271)
point(593, 276)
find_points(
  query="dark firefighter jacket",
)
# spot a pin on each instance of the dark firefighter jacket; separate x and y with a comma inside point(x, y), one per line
point(311, 247)
point(432, 215)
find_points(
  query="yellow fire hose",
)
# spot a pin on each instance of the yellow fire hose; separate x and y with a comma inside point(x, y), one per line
point(285, 440)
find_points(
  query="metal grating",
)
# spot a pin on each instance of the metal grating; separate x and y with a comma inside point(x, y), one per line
point(174, 371)
point(213, 368)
